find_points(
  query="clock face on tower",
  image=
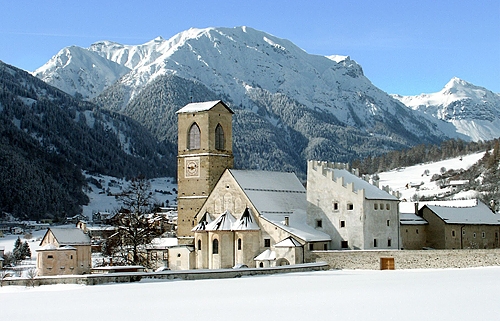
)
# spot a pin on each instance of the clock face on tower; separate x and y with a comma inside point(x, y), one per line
point(192, 166)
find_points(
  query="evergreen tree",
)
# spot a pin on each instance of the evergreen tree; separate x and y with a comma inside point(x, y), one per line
point(17, 252)
point(25, 250)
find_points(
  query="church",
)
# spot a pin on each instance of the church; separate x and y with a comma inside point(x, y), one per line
point(229, 217)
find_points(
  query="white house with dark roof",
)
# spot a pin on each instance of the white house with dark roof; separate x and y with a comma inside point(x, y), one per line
point(64, 251)
point(353, 212)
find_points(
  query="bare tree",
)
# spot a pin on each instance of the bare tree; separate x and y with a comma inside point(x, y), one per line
point(30, 277)
point(136, 224)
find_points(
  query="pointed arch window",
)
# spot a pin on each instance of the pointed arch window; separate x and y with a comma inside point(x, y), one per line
point(215, 246)
point(194, 137)
point(219, 137)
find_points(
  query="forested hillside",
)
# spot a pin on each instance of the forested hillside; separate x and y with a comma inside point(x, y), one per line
point(47, 138)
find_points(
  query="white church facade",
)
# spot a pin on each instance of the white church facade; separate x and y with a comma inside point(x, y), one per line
point(257, 218)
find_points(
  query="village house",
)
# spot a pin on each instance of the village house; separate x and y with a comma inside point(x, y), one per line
point(455, 224)
point(64, 251)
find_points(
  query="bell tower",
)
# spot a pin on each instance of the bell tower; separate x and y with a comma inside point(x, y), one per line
point(205, 151)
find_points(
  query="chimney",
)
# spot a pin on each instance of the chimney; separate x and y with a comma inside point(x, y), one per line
point(287, 220)
point(416, 208)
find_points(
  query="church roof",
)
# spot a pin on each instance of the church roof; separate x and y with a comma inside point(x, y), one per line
point(246, 222)
point(202, 106)
point(202, 223)
point(224, 222)
point(227, 222)
point(276, 195)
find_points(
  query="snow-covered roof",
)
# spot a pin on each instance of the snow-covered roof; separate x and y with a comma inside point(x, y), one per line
point(224, 222)
point(69, 236)
point(267, 255)
point(276, 195)
point(288, 242)
point(407, 215)
point(202, 106)
point(371, 191)
point(478, 214)
point(227, 222)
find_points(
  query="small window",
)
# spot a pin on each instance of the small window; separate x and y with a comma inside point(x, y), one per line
point(194, 137)
point(50, 256)
point(178, 255)
point(375, 206)
point(463, 232)
point(350, 207)
point(381, 206)
point(219, 137)
point(416, 231)
point(325, 247)
point(388, 206)
point(311, 246)
point(71, 257)
point(389, 243)
point(474, 235)
point(261, 264)
point(215, 246)
point(319, 223)
point(267, 242)
point(199, 245)
point(388, 222)
point(239, 244)
point(342, 223)
point(453, 233)
point(483, 235)
point(335, 206)
point(375, 243)
point(344, 244)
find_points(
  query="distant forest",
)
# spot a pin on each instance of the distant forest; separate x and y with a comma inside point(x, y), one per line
point(420, 154)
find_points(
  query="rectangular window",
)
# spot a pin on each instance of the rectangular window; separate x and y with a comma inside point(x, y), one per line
point(267, 242)
point(350, 207)
point(453, 233)
point(50, 257)
point(344, 245)
point(388, 206)
point(483, 235)
point(416, 231)
point(388, 222)
point(319, 223)
point(325, 247)
point(374, 242)
point(311, 246)
point(342, 223)
point(335, 206)
point(375, 206)
point(389, 242)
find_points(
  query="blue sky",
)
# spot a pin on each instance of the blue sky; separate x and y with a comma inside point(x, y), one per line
point(406, 47)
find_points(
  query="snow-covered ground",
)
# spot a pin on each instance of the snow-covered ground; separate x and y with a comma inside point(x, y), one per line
point(452, 294)
point(399, 178)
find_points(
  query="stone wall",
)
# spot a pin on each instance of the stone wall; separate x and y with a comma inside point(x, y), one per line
point(417, 259)
point(95, 279)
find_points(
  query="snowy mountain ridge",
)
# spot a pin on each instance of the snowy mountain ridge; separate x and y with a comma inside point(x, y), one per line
point(474, 111)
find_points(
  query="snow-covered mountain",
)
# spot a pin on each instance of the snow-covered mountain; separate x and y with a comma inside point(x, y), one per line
point(474, 111)
point(296, 105)
point(78, 71)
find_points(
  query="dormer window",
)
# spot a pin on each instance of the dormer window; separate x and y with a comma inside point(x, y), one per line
point(194, 137)
point(219, 138)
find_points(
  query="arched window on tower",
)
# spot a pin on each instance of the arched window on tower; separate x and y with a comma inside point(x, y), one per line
point(219, 137)
point(215, 246)
point(194, 137)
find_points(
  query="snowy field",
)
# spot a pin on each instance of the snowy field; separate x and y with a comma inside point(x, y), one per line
point(452, 294)
point(399, 178)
